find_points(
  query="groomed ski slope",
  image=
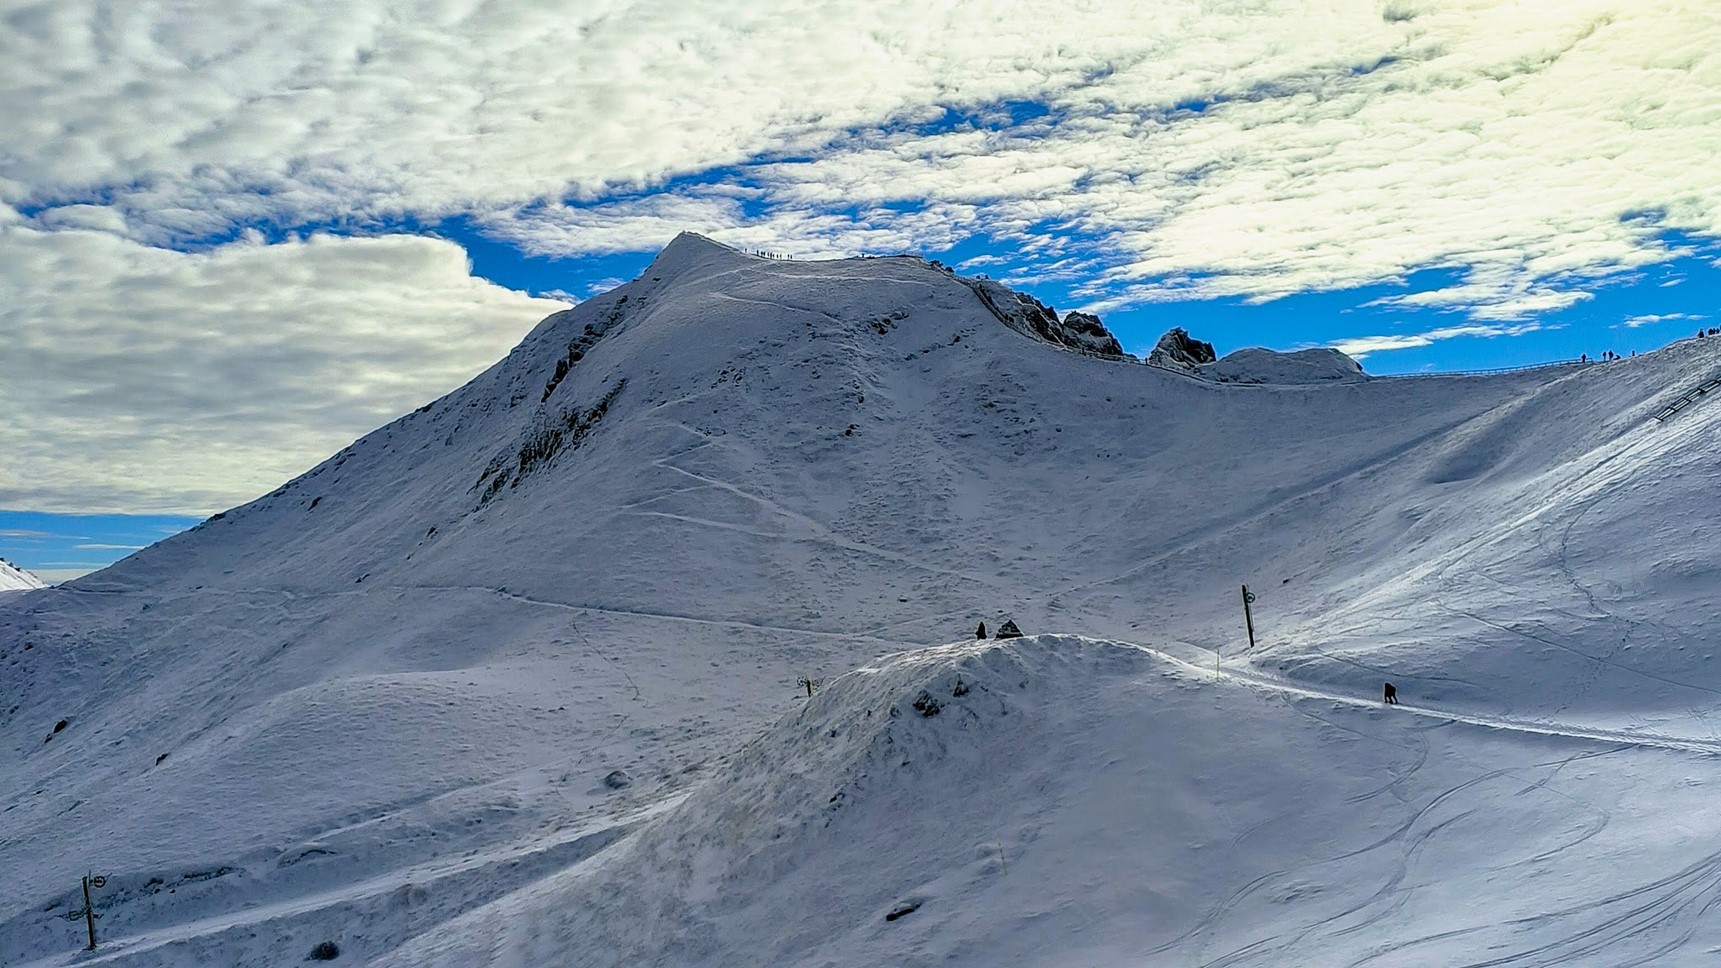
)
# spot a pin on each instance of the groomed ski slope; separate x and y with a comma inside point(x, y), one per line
point(389, 694)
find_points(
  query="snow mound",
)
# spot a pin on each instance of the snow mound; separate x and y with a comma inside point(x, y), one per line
point(690, 255)
point(13, 578)
point(1264, 366)
point(1061, 800)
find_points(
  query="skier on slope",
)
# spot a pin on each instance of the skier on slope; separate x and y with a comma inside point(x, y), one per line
point(980, 632)
point(1390, 696)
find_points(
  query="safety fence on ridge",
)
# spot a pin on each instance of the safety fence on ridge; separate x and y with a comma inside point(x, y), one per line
point(1690, 396)
point(1485, 372)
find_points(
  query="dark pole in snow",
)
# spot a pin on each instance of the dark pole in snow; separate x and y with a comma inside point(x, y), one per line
point(89, 914)
point(1248, 616)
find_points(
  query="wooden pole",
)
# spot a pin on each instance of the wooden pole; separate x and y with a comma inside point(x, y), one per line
point(89, 914)
point(1249, 616)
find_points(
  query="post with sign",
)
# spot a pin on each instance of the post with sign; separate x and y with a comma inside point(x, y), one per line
point(97, 881)
point(1248, 615)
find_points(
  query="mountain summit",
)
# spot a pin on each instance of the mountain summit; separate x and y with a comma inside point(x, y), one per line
point(565, 629)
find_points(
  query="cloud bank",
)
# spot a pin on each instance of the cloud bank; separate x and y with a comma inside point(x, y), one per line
point(145, 380)
point(1148, 152)
point(1215, 148)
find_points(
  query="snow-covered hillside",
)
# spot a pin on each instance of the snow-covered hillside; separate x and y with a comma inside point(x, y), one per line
point(496, 683)
point(13, 578)
point(1058, 800)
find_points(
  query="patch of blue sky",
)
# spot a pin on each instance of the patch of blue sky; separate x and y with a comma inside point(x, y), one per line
point(504, 263)
point(55, 545)
point(1007, 115)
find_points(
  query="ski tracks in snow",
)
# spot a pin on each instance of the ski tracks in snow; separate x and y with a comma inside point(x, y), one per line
point(463, 883)
point(805, 528)
point(1638, 926)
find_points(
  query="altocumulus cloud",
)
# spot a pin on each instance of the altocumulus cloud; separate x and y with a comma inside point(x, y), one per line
point(1247, 147)
point(141, 379)
point(1158, 151)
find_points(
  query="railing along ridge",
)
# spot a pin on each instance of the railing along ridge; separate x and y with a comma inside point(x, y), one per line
point(1485, 372)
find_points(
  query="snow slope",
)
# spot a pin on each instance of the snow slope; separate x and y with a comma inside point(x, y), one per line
point(13, 578)
point(1071, 801)
point(391, 692)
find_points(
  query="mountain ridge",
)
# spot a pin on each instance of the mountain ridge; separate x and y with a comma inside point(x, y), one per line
point(14, 578)
point(735, 473)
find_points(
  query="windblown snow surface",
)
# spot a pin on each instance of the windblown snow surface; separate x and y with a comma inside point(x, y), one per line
point(514, 680)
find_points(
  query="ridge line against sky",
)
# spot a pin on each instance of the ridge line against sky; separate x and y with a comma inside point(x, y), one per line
point(233, 239)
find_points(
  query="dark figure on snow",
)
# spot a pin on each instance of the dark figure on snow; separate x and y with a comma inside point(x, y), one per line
point(1390, 695)
point(980, 632)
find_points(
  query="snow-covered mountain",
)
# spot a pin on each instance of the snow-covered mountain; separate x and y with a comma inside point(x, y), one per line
point(516, 678)
point(13, 578)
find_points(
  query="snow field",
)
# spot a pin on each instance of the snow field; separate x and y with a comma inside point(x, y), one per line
point(393, 671)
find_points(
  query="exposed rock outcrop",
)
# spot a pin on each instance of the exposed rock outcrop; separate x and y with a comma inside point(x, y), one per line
point(1082, 332)
point(1178, 350)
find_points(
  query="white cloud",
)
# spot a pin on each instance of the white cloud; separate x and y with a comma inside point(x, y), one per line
point(800, 232)
point(562, 295)
point(1648, 319)
point(1359, 347)
point(1238, 148)
point(1498, 294)
point(138, 379)
point(109, 547)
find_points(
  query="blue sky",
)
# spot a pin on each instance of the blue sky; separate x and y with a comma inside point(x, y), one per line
point(233, 240)
point(55, 546)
